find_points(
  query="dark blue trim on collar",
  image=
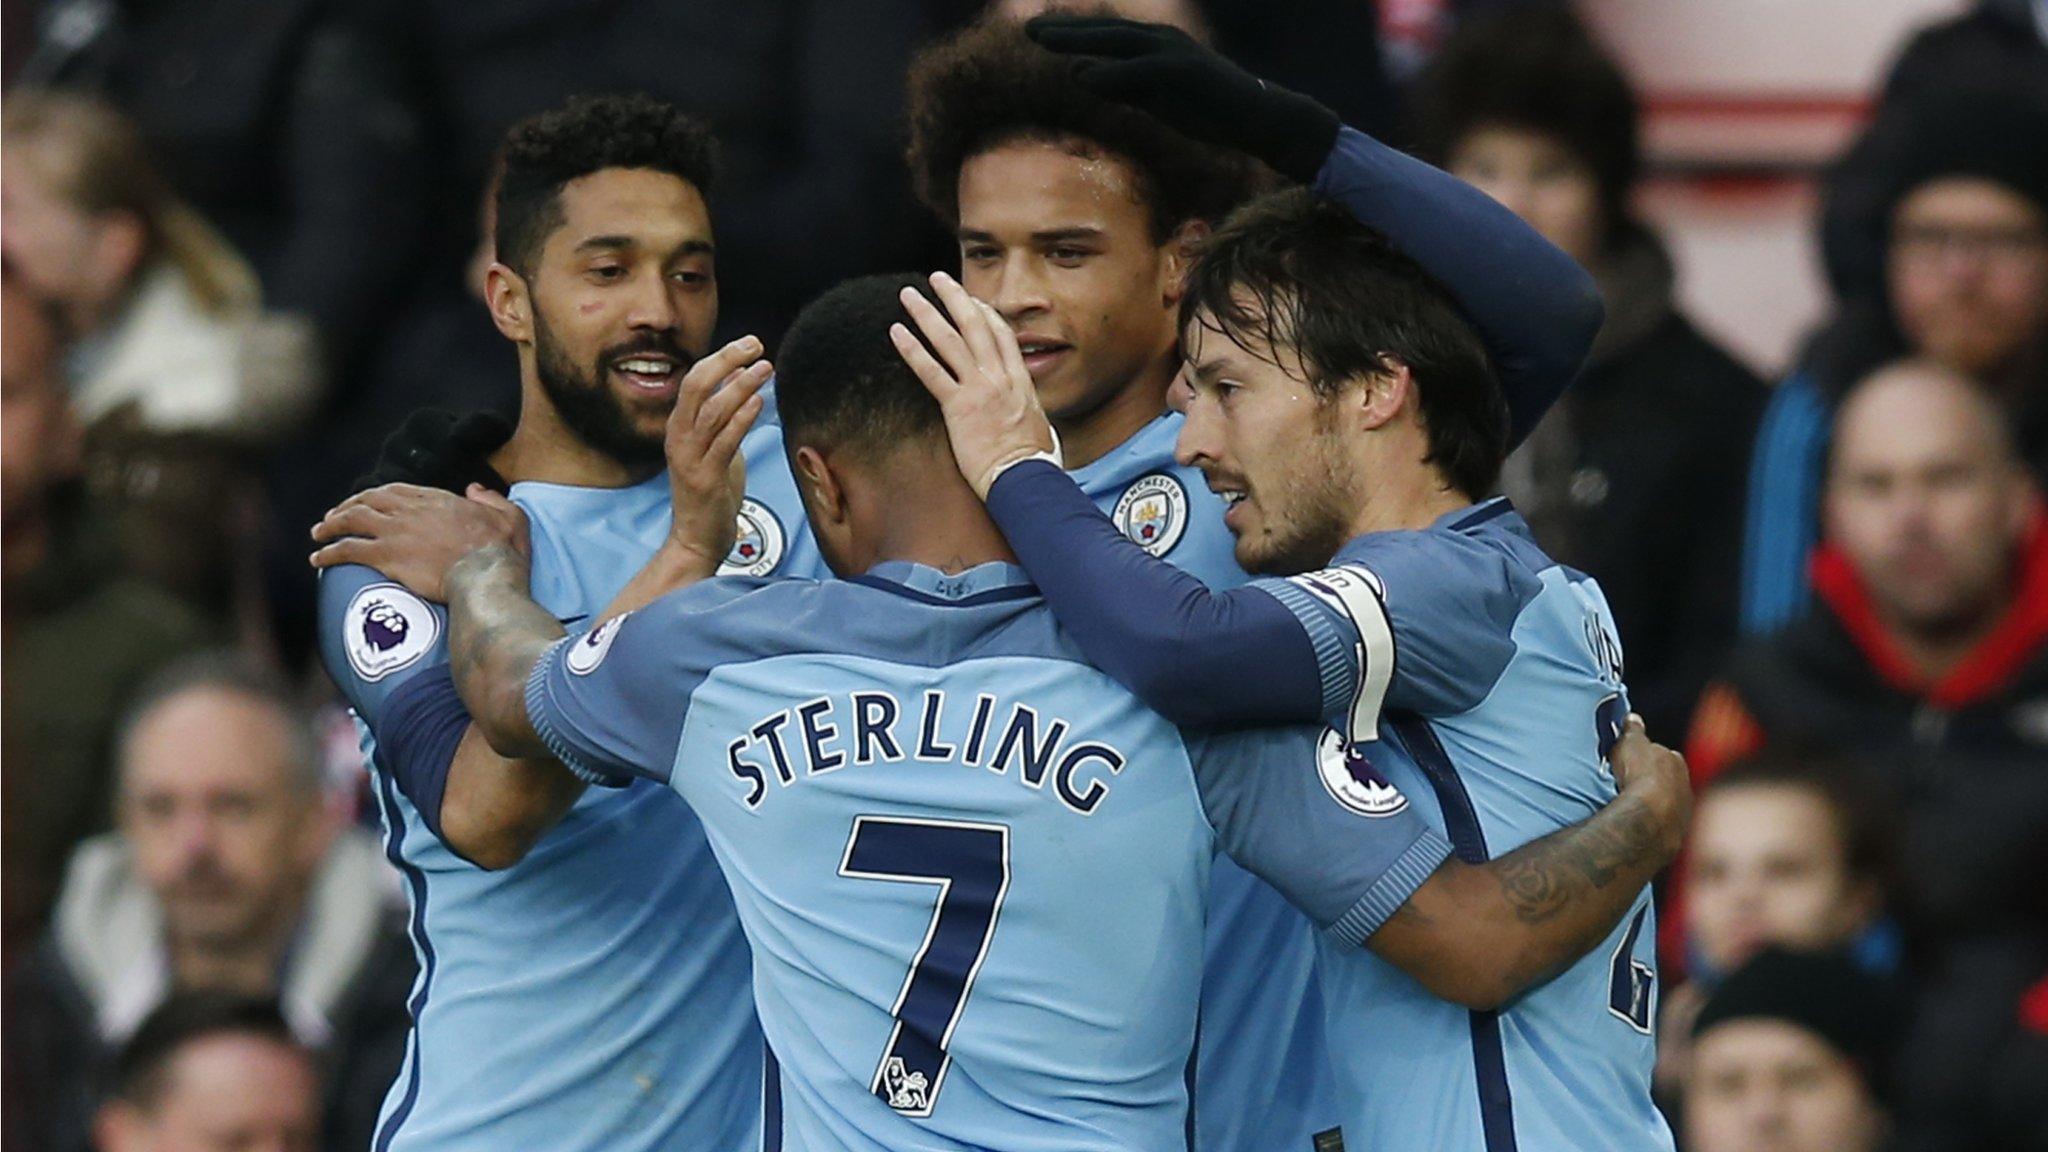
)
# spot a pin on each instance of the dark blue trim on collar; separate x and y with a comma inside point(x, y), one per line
point(992, 596)
point(1492, 509)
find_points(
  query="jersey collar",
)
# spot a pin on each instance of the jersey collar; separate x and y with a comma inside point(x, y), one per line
point(977, 585)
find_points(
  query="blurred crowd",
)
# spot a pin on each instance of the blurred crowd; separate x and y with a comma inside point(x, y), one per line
point(242, 240)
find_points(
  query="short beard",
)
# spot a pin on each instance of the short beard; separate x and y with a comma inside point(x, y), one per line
point(1322, 523)
point(589, 409)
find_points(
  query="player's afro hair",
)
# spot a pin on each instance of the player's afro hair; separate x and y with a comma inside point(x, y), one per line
point(838, 377)
point(990, 85)
point(589, 134)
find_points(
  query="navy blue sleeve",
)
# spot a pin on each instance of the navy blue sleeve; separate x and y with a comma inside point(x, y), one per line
point(421, 728)
point(1193, 655)
point(1536, 310)
point(387, 650)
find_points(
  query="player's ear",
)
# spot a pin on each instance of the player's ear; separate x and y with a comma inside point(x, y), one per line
point(1180, 256)
point(1383, 395)
point(511, 302)
point(821, 490)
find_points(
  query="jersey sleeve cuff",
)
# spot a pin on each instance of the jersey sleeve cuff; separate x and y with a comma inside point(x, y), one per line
point(1335, 662)
point(540, 714)
point(1392, 890)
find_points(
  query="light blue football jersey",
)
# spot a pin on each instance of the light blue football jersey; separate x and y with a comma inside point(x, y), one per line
point(1484, 681)
point(594, 995)
point(973, 870)
point(1262, 1082)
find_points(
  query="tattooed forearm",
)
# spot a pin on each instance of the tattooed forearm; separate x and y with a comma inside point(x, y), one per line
point(496, 633)
point(1618, 848)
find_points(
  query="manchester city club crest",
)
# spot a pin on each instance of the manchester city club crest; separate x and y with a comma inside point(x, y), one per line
point(387, 628)
point(1153, 513)
point(1352, 780)
point(759, 547)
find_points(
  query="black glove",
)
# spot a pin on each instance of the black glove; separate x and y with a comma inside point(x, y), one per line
point(436, 448)
point(1162, 70)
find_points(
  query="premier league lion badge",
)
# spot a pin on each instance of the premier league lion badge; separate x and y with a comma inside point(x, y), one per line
point(1352, 780)
point(1153, 513)
point(589, 650)
point(386, 629)
point(759, 547)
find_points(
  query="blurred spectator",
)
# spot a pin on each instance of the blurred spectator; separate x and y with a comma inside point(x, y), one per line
point(175, 368)
point(1926, 659)
point(297, 127)
point(1963, 226)
point(1636, 476)
point(1998, 45)
point(1927, 654)
point(286, 122)
point(1788, 1057)
point(1788, 849)
point(78, 634)
point(212, 1072)
point(227, 874)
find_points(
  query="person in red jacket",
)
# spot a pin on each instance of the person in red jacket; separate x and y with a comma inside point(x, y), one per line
point(1925, 661)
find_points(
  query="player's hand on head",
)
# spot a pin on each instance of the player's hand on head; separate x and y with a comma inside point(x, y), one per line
point(715, 407)
point(414, 534)
point(436, 448)
point(1659, 775)
point(1160, 69)
point(973, 367)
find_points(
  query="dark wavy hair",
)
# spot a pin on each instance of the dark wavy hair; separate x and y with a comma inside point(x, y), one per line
point(990, 85)
point(1295, 271)
point(589, 134)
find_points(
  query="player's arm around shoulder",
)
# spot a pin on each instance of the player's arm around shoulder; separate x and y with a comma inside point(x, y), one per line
point(1479, 934)
point(1414, 621)
point(387, 649)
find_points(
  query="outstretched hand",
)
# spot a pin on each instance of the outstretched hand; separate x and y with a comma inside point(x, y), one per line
point(979, 379)
point(707, 475)
point(1160, 69)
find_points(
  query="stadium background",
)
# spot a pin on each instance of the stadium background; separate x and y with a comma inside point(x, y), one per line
point(341, 146)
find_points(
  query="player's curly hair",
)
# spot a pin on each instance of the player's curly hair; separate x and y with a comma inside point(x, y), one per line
point(990, 85)
point(838, 377)
point(589, 134)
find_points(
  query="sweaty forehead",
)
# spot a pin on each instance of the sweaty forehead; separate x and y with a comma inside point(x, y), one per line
point(652, 210)
point(1036, 185)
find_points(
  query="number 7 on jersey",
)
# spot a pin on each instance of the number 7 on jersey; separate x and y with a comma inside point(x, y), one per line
point(970, 865)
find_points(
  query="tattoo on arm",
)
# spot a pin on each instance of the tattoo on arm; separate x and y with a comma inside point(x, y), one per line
point(496, 633)
point(1618, 851)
